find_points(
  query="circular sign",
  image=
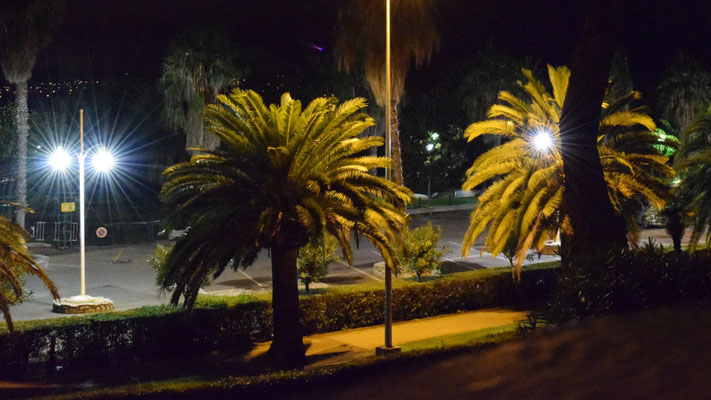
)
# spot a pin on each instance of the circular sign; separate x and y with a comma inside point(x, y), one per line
point(101, 232)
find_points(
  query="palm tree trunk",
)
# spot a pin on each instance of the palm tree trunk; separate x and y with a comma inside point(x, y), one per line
point(287, 349)
point(396, 149)
point(23, 130)
point(595, 226)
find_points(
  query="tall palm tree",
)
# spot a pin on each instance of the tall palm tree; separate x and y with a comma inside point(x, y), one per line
point(26, 27)
point(692, 163)
point(200, 65)
point(685, 88)
point(525, 203)
point(283, 175)
point(360, 44)
point(591, 216)
point(15, 262)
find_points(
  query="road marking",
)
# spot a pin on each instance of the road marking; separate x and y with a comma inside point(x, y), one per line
point(250, 278)
point(458, 263)
point(483, 253)
point(63, 265)
point(362, 272)
point(118, 255)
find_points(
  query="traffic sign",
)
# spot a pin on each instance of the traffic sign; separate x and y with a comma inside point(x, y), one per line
point(68, 207)
point(101, 232)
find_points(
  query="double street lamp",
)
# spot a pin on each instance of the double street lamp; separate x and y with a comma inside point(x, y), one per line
point(102, 161)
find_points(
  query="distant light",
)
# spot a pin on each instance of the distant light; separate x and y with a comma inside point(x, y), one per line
point(543, 140)
point(103, 161)
point(60, 159)
point(429, 147)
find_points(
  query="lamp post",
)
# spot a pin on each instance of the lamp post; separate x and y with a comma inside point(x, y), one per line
point(388, 348)
point(103, 161)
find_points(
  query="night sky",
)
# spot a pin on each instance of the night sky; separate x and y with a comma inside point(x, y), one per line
point(108, 39)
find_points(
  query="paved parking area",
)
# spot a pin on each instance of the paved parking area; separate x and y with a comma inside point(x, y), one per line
point(122, 273)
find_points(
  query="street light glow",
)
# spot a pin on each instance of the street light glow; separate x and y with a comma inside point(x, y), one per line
point(103, 161)
point(543, 140)
point(429, 147)
point(60, 159)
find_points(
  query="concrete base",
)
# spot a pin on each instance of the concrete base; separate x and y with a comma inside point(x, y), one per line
point(387, 351)
point(82, 305)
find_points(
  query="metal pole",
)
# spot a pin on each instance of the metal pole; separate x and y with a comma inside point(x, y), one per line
point(81, 204)
point(388, 140)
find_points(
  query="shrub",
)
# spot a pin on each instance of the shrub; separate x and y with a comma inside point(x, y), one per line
point(628, 281)
point(313, 260)
point(419, 253)
point(237, 322)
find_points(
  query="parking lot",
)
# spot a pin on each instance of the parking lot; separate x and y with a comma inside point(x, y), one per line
point(123, 274)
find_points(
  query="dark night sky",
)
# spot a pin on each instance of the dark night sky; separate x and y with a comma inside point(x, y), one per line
point(103, 39)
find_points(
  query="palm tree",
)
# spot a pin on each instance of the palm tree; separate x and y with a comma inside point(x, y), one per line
point(684, 89)
point(200, 65)
point(360, 43)
point(490, 72)
point(282, 176)
point(26, 27)
point(525, 203)
point(15, 262)
point(693, 192)
point(591, 216)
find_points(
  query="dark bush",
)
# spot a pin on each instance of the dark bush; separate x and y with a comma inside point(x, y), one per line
point(626, 281)
point(163, 332)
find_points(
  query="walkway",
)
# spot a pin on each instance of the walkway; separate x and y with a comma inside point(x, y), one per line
point(346, 345)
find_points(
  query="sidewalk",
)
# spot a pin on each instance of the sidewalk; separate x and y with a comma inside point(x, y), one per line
point(343, 346)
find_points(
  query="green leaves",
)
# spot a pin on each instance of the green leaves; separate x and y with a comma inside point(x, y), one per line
point(283, 175)
point(522, 203)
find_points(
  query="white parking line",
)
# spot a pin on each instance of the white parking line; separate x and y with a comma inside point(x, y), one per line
point(250, 278)
point(362, 272)
point(457, 262)
point(64, 265)
point(483, 253)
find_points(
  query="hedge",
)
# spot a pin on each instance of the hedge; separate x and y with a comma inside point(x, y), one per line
point(164, 331)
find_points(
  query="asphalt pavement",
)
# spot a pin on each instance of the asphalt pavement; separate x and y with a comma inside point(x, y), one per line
point(123, 274)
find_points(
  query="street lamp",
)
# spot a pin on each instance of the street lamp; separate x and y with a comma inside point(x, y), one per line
point(542, 140)
point(388, 348)
point(102, 161)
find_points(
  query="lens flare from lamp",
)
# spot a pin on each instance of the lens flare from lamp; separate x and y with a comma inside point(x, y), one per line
point(60, 159)
point(543, 140)
point(103, 161)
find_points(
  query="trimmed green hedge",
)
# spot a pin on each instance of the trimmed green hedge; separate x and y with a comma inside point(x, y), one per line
point(161, 332)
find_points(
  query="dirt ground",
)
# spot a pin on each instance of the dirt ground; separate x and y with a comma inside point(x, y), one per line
point(662, 354)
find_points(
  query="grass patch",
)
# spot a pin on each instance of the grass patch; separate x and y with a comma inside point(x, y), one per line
point(471, 338)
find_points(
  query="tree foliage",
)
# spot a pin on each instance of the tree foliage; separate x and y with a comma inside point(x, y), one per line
point(200, 65)
point(692, 163)
point(16, 262)
point(360, 45)
point(525, 198)
point(283, 175)
point(314, 258)
point(419, 253)
point(685, 89)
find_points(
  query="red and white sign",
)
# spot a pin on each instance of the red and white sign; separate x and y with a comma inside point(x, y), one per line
point(101, 232)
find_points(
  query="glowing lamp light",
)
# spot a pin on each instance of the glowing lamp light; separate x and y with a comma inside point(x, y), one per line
point(543, 140)
point(60, 160)
point(429, 147)
point(103, 161)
